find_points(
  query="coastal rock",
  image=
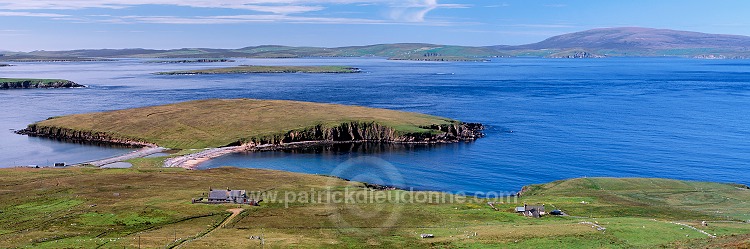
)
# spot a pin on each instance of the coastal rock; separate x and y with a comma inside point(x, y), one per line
point(374, 132)
point(575, 54)
point(77, 136)
point(343, 133)
point(722, 56)
point(30, 83)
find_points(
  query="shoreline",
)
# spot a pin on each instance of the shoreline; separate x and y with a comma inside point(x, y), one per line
point(140, 153)
point(193, 160)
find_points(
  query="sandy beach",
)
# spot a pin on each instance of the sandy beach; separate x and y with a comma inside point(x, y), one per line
point(191, 161)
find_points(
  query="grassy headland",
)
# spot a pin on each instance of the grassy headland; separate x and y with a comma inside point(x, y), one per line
point(9, 83)
point(122, 208)
point(440, 58)
point(268, 69)
point(191, 61)
point(221, 122)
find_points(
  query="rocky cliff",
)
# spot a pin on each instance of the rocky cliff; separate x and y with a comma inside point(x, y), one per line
point(345, 132)
point(34, 83)
point(374, 132)
point(75, 135)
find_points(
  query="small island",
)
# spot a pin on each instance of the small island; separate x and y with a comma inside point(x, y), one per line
point(36, 58)
point(191, 61)
point(5, 65)
point(574, 54)
point(8, 83)
point(437, 57)
point(248, 69)
point(253, 123)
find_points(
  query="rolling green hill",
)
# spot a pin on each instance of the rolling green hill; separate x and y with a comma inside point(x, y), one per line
point(609, 42)
point(151, 207)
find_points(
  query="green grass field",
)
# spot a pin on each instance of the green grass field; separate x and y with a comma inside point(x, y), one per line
point(120, 208)
point(268, 69)
point(220, 122)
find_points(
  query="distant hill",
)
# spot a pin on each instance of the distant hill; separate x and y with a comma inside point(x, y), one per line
point(638, 42)
point(595, 43)
point(398, 51)
point(640, 38)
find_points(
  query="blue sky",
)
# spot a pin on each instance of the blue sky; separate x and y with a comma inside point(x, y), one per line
point(27, 25)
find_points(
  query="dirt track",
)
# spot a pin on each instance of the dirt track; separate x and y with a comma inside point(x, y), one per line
point(235, 212)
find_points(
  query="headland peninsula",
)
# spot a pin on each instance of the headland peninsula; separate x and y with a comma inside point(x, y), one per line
point(153, 206)
point(250, 124)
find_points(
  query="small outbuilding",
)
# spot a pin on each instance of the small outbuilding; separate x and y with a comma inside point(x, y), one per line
point(228, 196)
point(427, 235)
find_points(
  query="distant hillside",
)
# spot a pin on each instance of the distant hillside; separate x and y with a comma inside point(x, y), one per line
point(595, 43)
point(640, 38)
point(398, 51)
point(639, 42)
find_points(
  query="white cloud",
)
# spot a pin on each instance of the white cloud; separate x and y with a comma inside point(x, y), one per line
point(549, 26)
point(241, 19)
point(502, 5)
point(29, 14)
point(416, 10)
point(399, 11)
point(259, 5)
point(270, 6)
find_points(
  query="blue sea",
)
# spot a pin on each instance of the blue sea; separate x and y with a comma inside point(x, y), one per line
point(546, 119)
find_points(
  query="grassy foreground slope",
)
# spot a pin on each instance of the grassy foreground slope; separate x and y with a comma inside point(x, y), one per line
point(668, 199)
point(150, 207)
point(220, 122)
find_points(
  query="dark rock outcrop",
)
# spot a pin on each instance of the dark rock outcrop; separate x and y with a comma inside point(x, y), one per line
point(31, 83)
point(343, 133)
point(78, 136)
point(575, 54)
point(374, 132)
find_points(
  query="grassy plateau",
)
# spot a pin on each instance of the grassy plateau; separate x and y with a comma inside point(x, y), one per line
point(150, 207)
point(220, 122)
point(190, 61)
point(268, 69)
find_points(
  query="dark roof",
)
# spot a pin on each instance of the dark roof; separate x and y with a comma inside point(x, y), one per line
point(218, 194)
point(530, 207)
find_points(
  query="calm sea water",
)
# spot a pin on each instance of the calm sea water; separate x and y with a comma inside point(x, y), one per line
point(547, 119)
